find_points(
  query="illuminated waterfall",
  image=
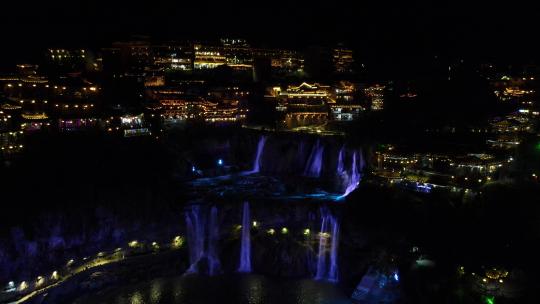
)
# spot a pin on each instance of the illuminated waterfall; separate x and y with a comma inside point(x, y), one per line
point(354, 175)
point(202, 242)
point(314, 163)
point(257, 161)
point(340, 165)
point(327, 265)
point(195, 236)
point(321, 259)
point(245, 249)
point(333, 271)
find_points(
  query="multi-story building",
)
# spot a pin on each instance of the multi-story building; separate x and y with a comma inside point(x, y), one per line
point(134, 125)
point(40, 101)
point(316, 104)
point(509, 88)
point(281, 60)
point(232, 42)
point(238, 54)
point(208, 57)
point(177, 105)
point(173, 56)
point(523, 121)
point(67, 60)
point(346, 106)
point(375, 94)
point(131, 57)
point(11, 142)
point(11, 134)
point(125, 66)
point(426, 171)
point(303, 105)
point(343, 60)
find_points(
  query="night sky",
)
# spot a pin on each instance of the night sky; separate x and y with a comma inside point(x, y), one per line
point(374, 28)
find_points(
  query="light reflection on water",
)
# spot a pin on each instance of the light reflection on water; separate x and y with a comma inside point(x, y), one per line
point(241, 289)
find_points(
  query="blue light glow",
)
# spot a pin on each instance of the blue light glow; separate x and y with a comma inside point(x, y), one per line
point(425, 188)
point(193, 169)
point(396, 276)
point(220, 162)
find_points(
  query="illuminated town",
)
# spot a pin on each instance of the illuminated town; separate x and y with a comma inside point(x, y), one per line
point(301, 163)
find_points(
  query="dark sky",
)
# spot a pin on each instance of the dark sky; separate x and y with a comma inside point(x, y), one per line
point(380, 28)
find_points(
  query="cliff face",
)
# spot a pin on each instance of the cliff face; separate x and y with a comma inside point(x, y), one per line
point(284, 240)
point(74, 203)
point(25, 254)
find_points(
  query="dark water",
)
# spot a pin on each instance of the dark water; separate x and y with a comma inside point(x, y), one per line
point(248, 289)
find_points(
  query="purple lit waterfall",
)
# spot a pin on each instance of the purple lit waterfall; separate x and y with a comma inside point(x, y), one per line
point(314, 163)
point(245, 249)
point(354, 175)
point(321, 259)
point(333, 271)
point(327, 265)
point(195, 237)
point(202, 242)
point(257, 161)
point(340, 165)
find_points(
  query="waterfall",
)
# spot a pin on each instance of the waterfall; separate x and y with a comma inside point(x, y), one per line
point(257, 161)
point(340, 165)
point(333, 271)
point(354, 176)
point(245, 250)
point(195, 235)
point(314, 163)
point(329, 230)
point(198, 237)
point(213, 237)
point(321, 259)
